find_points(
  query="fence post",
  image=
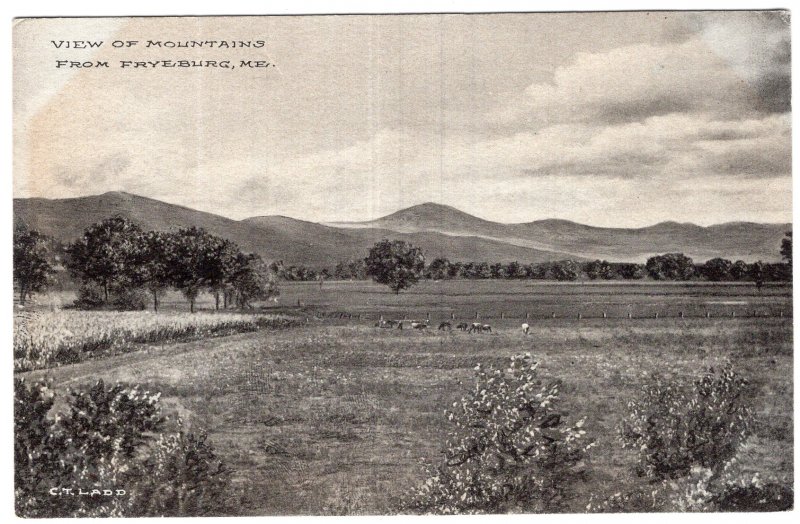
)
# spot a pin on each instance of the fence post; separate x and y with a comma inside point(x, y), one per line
point(708, 314)
point(428, 316)
point(680, 314)
point(629, 315)
point(452, 316)
point(381, 319)
point(476, 315)
point(604, 314)
point(554, 314)
point(780, 313)
point(580, 316)
point(733, 314)
point(527, 315)
point(502, 315)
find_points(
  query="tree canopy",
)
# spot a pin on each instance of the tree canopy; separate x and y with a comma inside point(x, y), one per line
point(395, 263)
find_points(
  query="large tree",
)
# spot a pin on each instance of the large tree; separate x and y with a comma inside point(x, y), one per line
point(395, 263)
point(786, 248)
point(252, 279)
point(187, 262)
point(32, 269)
point(106, 254)
point(152, 264)
point(671, 266)
point(439, 269)
point(220, 256)
point(718, 269)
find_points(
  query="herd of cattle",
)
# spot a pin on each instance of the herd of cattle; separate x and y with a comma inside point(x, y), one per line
point(474, 327)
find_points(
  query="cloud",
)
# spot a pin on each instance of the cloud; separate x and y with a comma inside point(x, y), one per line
point(733, 66)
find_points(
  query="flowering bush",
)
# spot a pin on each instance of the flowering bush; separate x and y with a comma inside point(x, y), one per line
point(99, 458)
point(510, 448)
point(182, 476)
point(731, 489)
point(674, 428)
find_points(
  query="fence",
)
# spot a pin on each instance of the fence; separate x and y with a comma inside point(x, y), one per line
point(562, 313)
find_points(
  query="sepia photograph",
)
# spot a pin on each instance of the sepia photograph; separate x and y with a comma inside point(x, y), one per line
point(402, 264)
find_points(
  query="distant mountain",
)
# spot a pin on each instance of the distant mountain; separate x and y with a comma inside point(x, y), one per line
point(273, 237)
point(441, 231)
point(736, 240)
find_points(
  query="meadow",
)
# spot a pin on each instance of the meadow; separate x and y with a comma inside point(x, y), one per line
point(333, 416)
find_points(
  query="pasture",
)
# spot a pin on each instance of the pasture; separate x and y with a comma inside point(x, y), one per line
point(333, 416)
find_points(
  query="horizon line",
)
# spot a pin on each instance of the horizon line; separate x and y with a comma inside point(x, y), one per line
point(427, 203)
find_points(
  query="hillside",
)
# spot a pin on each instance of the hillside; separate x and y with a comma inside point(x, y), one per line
point(273, 237)
point(736, 240)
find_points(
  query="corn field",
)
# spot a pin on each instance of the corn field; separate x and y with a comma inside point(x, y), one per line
point(51, 338)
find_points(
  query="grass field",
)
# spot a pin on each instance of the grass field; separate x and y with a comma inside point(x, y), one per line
point(333, 417)
point(516, 298)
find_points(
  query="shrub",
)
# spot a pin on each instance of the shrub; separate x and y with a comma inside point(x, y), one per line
point(126, 299)
point(731, 489)
point(182, 476)
point(510, 448)
point(90, 296)
point(106, 441)
point(675, 428)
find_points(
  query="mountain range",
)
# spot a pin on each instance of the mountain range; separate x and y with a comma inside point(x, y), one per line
point(441, 231)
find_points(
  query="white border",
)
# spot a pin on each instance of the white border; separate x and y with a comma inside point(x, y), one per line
point(76, 8)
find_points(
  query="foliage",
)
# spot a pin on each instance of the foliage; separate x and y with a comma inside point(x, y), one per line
point(439, 269)
point(738, 270)
point(106, 253)
point(564, 270)
point(152, 263)
point(628, 271)
point(187, 262)
point(718, 269)
point(510, 449)
point(674, 428)
point(90, 296)
point(104, 443)
point(671, 266)
point(89, 448)
point(599, 269)
point(181, 476)
point(786, 248)
point(251, 279)
point(395, 263)
point(32, 269)
point(128, 299)
point(732, 489)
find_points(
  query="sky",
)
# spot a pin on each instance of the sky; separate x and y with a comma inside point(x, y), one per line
point(608, 119)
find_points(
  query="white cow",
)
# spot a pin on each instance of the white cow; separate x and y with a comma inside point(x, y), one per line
point(525, 328)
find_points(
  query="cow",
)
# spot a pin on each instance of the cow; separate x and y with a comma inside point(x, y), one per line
point(475, 327)
point(445, 326)
point(463, 326)
point(525, 328)
point(386, 324)
point(417, 324)
point(486, 328)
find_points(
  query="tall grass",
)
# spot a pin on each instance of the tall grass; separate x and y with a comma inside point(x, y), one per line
point(51, 338)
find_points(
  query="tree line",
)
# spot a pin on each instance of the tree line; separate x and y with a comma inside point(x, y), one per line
point(669, 266)
point(118, 258)
point(116, 261)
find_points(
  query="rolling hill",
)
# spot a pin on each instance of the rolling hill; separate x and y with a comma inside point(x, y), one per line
point(747, 241)
point(273, 237)
point(441, 231)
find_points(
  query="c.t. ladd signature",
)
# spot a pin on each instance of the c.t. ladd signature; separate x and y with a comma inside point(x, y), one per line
point(81, 492)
